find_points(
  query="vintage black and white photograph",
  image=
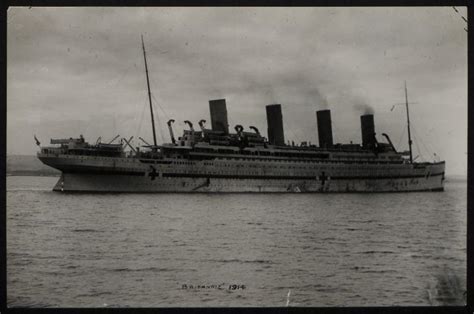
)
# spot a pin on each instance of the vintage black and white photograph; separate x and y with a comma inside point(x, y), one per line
point(236, 156)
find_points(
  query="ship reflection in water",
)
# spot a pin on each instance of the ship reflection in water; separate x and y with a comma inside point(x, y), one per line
point(139, 250)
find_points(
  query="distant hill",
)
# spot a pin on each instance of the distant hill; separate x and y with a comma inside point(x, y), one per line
point(26, 165)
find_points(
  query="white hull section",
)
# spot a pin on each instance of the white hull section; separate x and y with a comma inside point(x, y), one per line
point(101, 174)
point(122, 183)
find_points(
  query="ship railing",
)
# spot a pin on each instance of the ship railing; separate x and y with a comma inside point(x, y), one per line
point(65, 141)
point(53, 150)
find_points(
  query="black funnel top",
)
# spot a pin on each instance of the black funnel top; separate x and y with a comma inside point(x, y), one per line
point(368, 131)
point(275, 125)
point(218, 112)
point(324, 128)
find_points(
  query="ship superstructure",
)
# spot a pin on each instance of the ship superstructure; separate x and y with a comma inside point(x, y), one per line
point(219, 159)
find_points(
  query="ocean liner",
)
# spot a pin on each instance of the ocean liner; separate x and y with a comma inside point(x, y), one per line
point(218, 160)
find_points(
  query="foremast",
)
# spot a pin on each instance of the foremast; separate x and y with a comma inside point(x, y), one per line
point(149, 96)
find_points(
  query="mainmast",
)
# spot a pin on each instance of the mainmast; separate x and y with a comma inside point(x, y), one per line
point(408, 123)
point(149, 95)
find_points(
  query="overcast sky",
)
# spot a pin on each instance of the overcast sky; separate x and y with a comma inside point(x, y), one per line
point(74, 71)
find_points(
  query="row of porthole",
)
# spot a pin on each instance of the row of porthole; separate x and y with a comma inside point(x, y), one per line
point(315, 170)
point(270, 160)
point(225, 165)
point(302, 161)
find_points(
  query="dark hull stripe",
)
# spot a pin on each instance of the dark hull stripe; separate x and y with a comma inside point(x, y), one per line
point(223, 176)
point(256, 177)
point(106, 172)
point(388, 177)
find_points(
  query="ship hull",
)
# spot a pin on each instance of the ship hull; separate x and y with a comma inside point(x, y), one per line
point(131, 175)
point(76, 182)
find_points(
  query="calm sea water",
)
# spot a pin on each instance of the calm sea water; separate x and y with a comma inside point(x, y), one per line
point(146, 250)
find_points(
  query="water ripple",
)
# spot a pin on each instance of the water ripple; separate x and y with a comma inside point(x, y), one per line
point(67, 250)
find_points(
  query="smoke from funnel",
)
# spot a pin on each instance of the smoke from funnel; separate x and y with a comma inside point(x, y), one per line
point(364, 108)
point(360, 104)
point(316, 97)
